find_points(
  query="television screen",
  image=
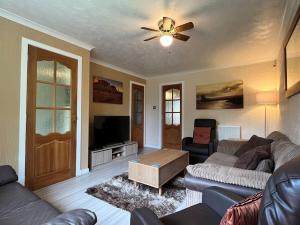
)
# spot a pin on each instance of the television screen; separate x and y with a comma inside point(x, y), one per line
point(109, 130)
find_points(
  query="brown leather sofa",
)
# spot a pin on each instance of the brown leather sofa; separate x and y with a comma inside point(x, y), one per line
point(20, 206)
point(280, 203)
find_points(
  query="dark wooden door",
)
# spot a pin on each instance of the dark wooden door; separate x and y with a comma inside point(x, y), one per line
point(51, 118)
point(137, 115)
point(171, 116)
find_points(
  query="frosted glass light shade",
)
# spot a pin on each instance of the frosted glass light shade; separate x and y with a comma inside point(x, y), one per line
point(267, 98)
point(166, 40)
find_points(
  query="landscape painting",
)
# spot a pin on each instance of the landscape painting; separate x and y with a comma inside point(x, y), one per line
point(107, 91)
point(227, 95)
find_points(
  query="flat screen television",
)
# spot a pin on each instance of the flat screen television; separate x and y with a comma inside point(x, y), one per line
point(110, 130)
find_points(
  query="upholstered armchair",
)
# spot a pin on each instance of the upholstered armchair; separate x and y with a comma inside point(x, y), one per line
point(200, 152)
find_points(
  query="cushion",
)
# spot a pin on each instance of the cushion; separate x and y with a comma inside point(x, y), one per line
point(266, 165)
point(253, 142)
point(194, 215)
point(201, 135)
point(250, 159)
point(222, 159)
point(244, 212)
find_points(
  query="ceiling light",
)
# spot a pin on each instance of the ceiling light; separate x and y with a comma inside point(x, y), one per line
point(166, 40)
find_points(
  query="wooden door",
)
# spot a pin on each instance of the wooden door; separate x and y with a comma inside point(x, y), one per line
point(171, 116)
point(137, 115)
point(51, 118)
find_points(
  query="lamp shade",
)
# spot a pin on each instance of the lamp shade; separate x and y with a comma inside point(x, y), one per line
point(267, 98)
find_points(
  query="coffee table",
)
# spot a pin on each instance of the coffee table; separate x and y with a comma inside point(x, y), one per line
point(157, 168)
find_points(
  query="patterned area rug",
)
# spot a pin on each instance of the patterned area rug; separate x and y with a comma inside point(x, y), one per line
point(121, 192)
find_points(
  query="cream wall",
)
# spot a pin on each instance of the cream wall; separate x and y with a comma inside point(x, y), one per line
point(110, 109)
point(289, 118)
point(10, 63)
point(256, 77)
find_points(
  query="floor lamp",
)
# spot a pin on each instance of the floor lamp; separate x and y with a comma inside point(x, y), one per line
point(267, 98)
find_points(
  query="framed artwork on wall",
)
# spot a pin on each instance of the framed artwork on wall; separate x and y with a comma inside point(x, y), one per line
point(228, 95)
point(292, 58)
point(107, 91)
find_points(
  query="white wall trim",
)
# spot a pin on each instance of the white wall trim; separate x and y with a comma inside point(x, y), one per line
point(160, 111)
point(23, 104)
point(101, 63)
point(130, 106)
point(36, 26)
point(189, 72)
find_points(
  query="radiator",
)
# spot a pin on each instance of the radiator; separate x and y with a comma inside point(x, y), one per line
point(228, 132)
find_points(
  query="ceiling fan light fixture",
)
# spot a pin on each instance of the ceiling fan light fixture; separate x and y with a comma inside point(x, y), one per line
point(166, 40)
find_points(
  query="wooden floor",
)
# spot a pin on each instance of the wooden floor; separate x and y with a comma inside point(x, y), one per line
point(70, 194)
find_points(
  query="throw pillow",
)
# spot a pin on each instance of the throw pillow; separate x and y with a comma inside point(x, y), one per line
point(250, 159)
point(201, 135)
point(244, 212)
point(253, 142)
point(266, 165)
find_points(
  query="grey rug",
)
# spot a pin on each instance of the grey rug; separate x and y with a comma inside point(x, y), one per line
point(121, 192)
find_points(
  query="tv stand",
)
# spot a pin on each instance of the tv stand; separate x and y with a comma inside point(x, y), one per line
point(99, 156)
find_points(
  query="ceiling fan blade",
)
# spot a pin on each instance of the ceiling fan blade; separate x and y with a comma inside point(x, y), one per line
point(150, 29)
point(181, 37)
point(148, 39)
point(183, 27)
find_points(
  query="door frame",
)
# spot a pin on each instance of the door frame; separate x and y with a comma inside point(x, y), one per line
point(160, 110)
point(23, 104)
point(130, 106)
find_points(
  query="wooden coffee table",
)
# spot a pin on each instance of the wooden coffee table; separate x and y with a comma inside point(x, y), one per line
point(157, 168)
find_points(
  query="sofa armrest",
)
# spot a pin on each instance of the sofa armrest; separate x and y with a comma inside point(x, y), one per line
point(144, 216)
point(229, 146)
point(7, 175)
point(75, 217)
point(186, 141)
point(220, 199)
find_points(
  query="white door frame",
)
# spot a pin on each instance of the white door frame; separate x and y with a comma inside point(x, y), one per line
point(130, 106)
point(160, 110)
point(23, 104)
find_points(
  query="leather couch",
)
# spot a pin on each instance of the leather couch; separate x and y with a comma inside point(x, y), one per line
point(283, 150)
point(280, 203)
point(200, 152)
point(20, 206)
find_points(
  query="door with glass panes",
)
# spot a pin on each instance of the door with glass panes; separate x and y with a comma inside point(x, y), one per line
point(137, 115)
point(171, 116)
point(51, 118)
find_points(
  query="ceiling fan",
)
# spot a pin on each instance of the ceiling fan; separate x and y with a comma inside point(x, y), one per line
point(167, 31)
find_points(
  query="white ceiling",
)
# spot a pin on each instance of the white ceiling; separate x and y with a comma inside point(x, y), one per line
point(226, 33)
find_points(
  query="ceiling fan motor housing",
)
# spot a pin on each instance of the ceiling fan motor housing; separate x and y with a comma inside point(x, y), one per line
point(166, 25)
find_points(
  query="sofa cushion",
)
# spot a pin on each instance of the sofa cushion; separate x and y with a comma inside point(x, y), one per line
point(266, 165)
point(37, 212)
point(201, 135)
point(197, 148)
point(250, 159)
point(278, 136)
point(284, 151)
point(222, 159)
point(13, 196)
point(205, 214)
point(7, 175)
point(253, 142)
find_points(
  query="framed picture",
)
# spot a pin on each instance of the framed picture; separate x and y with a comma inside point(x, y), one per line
point(292, 58)
point(228, 95)
point(107, 91)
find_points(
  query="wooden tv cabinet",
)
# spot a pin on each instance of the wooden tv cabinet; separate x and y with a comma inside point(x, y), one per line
point(113, 152)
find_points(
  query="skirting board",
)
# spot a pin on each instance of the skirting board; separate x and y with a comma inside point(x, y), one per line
point(84, 171)
point(152, 146)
